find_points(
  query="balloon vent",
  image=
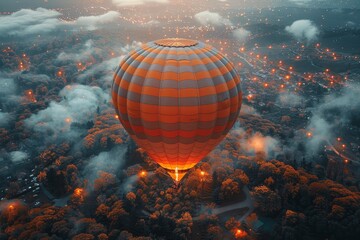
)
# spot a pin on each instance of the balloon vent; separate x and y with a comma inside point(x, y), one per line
point(176, 42)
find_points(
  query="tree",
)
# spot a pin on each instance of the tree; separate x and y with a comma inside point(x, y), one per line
point(83, 236)
point(266, 200)
point(229, 189)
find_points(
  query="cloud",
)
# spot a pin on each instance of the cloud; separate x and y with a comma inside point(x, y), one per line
point(207, 18)
point(107, 68)
point(122, 3)
point(246, 109)
point(301, 2)
point(7, 86)
point(94, 22)
point(256, 143)
point(109, 162)
point(241, 34)
point(83, 55)
point(259, 143)
point(18, 156)
point(78, 105)
point(40, 21)
point(303, 30)
point(289, 99)
point(335, 111)
point(27, 21)
point(4, 119)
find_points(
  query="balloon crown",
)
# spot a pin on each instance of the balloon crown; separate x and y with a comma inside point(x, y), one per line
point(176, 42)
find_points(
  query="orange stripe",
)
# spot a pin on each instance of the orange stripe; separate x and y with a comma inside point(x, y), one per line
point(149, 109)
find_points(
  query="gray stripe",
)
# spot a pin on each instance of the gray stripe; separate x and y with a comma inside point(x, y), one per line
point(174, 101)
point(184, 126)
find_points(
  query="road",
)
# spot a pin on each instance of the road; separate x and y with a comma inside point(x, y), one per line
point(246, 203)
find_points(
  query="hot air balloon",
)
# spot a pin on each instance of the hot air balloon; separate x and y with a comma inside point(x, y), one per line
point(177, 98)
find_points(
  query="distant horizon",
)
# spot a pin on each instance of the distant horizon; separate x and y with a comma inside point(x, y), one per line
point(329, 4)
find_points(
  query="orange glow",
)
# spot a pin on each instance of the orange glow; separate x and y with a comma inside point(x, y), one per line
point(273, 70)
point(79, 64)
point(344, 146)
point(266, 85)
point(116, 116)
point(291, 68)
point(250, 96)
point(143, 173)
point(242, 49)
point(346, 160)
point(68, 120)
point(282, 85)
point(287, 77)
point(202, 173)
point(30, 92)
point(240, 233)
point(11, 207)
point(339, 139)
point(60, 73)
point(270, 47)
point(309, 134)
point(78, 191)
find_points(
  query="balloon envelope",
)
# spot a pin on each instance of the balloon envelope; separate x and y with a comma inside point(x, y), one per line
point(177, 98)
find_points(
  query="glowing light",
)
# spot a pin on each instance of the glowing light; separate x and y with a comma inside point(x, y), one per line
point(240, 233)
point(266, 85)
point(30, 92)
point(346, 160)
point(143, 173)
point(116, 116)
point(78, 191)
point(287, 77)
point(242, 49)
point(11, 207)
point(202, 173)
point(309, 134)
point(344, 146)
point(176, 174)
point(68, 120)
point(339, 139)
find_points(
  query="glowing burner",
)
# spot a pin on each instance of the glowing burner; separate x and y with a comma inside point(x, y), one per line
point(176, 42)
